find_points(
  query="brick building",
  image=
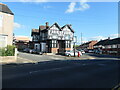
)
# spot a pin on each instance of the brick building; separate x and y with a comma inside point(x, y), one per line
point(109, 46)
point(22, 42)
point(87, 45)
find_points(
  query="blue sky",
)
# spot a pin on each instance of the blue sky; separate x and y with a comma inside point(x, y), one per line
point(95, 20)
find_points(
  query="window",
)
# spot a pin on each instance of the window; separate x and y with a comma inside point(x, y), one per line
point(3, 41)
point(54, 43)
point(114, 46)
point(68, 44)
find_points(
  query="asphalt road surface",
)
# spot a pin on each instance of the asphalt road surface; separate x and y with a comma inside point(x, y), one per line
point(97, 73)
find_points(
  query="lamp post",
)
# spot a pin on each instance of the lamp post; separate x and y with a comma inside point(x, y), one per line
point(75, 40)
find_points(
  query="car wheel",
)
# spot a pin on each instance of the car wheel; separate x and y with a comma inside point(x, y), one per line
point(69, 55)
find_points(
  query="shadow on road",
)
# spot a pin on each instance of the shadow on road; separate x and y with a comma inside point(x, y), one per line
point(102, 55)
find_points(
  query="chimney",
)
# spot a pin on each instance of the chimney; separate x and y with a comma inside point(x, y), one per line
point(108, 38)
point(47, 24)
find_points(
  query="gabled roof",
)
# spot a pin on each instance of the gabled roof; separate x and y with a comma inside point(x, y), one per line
point(102, 42)
point(4, 8)
point(113, 41)
point(56, 25)
point(108, 42)
point(22, 38)
point(35, 31)
point(68, 27)
point(42, 27)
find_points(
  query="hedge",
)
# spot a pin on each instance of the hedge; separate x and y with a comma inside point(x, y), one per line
point(7, 51)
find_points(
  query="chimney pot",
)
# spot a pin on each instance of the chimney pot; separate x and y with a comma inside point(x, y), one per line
point(108, 38)
point(47, 24)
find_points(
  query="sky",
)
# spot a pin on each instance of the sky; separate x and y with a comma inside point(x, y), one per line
point(95, 20)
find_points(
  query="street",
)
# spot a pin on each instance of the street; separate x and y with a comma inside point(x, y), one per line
point(87, 73)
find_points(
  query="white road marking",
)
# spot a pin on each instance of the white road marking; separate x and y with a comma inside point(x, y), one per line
point(101, 64)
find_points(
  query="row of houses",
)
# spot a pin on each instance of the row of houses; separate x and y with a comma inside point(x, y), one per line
point(88, 45)
point(107, 46)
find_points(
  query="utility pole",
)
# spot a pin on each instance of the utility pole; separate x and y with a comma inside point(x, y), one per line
point(75, 40)
point(81, 38)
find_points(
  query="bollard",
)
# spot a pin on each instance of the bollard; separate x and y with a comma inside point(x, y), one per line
point(78, 54)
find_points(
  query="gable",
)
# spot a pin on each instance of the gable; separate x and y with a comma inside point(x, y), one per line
point(54, 27)
point(66, 29)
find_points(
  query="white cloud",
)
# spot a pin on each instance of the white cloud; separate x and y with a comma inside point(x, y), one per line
point(33, 0)
point(71, 7)
point(113, 36)
point(98, 38)
point(83, 6)
point(17, 25)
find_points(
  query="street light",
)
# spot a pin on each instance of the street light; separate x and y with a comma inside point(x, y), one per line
point(74, 41)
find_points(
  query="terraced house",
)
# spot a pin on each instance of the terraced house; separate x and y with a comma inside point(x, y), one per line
point(53, 39)
point(109, 46)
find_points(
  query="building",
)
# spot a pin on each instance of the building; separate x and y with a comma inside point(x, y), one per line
point(53, 39)
point(101, 44)
point(109, 46)
point(22, 42)
point(87, 45)
point(6, 25)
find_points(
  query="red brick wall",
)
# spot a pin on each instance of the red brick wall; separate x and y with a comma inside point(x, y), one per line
point(54, 50)
point(91, 44)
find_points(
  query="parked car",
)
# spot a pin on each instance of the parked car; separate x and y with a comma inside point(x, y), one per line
point(71, 53)
point(90, 51)
point(30, 50)
point(39, 52)
point(26, 50)
point(33, 51)
point(82, 51)
point(98, 51)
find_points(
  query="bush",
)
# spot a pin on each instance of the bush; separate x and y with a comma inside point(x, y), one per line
point(7, 51)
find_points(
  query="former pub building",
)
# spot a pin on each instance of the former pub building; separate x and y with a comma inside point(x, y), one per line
point(53, 39)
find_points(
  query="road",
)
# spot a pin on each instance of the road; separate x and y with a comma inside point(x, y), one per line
point(95, 73)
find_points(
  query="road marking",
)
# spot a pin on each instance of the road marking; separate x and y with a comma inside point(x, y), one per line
point(101, 64)
point(45, 70)
point(117, 87)
point(27, 59)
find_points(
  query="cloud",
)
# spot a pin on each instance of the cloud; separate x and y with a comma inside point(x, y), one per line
point(113, 36)
point(32, 0)
point(83, 6)
point(17, 25)
point(71, 7)
point(97, 38)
